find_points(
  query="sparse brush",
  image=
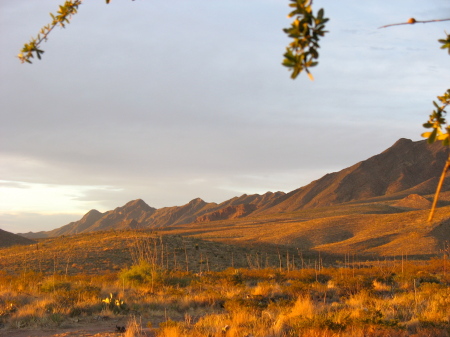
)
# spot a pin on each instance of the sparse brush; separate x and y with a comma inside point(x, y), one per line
point(303, 307)
point(41, 313)
point(170, 331)
point(133, 328)
point(380, 286)
point(341, 302)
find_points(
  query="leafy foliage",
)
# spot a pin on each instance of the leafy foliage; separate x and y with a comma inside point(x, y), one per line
point(445, 43)
point(437, 122)
point(305, 32)
point(142, 273)
point(62, 17)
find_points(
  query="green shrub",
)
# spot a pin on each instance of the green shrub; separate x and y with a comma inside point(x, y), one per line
point(142, 273)
point(51, 286)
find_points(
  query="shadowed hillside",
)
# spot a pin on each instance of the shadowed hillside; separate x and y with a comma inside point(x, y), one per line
point(110, 251)
point(407, 166)
point(8, 239)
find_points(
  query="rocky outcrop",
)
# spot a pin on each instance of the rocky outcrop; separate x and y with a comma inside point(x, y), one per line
point(414, 201)
point(230, 212)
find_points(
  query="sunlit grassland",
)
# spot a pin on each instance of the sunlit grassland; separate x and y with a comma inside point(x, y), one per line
point(184, 286)
point(384, 299)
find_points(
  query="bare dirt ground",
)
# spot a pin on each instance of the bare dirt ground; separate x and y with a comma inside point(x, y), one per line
point(81, 329)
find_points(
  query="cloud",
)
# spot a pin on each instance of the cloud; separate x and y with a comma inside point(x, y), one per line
point(172, 101)
point(23, 222)
point(13, 184)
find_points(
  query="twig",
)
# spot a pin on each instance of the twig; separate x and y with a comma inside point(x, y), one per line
point(412, 21)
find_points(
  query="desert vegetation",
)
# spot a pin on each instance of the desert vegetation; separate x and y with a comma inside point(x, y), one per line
point(150, 291)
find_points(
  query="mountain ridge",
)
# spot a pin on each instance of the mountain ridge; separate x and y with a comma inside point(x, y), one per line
point(403, 166)
point(406, 167)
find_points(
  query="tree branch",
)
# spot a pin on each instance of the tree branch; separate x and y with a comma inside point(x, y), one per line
point(438, 189)
point(412, 21)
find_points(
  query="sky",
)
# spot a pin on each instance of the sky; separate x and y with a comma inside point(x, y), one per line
point(168, 101)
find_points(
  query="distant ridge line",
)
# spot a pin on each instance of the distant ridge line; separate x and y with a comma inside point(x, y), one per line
point(405, 168)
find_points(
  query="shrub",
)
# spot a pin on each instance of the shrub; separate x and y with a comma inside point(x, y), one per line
point(142, 273)
point(52, 285)
point(116, 305)
point(178, 279)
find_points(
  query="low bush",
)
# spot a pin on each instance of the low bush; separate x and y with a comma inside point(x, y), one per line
point(142, 273)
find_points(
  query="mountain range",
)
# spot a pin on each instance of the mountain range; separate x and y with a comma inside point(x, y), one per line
point(405, 172)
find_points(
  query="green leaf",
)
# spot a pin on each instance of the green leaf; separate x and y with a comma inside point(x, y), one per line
point(305, 32)
point(320, 14)
point(432, 136)
point(288, 63)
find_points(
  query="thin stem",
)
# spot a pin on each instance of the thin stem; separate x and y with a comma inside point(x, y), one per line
point(438, 189)
point(413, 22)
point(66, 11)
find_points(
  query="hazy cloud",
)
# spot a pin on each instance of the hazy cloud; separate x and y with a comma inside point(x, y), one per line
point(169, 101)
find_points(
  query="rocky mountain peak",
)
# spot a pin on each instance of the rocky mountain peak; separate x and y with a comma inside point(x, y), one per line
point(197, 202)
point(92, 214)
point(402, 142)
point(138, 203)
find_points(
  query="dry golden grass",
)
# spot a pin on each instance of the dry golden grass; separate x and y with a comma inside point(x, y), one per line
point(133, 327)
point(111, 251)
point(409, 299)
